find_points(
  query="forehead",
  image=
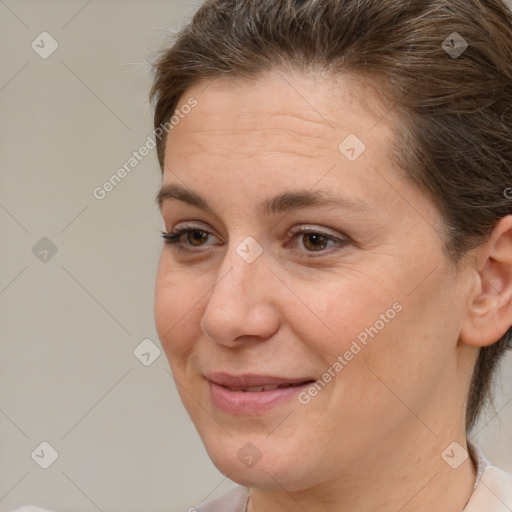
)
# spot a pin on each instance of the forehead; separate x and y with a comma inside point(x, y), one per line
point(245, 141)
point(281, 111)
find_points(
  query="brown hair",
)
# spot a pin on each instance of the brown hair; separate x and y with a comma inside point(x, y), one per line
point(454, 138)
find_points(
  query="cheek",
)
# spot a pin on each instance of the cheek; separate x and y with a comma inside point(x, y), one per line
point(414, 352)
point(341, 312)
point(377, 327)
point(177, 311)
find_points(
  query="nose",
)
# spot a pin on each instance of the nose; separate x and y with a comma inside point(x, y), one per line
point(241, 306)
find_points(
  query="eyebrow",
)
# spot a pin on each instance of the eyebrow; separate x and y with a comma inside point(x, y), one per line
point(284, 202)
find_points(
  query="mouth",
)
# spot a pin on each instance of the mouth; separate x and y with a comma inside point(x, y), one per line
point(252, 394)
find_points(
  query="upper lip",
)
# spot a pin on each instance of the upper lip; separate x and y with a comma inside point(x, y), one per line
point(249, 380)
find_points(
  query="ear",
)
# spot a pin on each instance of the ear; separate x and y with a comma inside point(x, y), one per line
point(489, 312)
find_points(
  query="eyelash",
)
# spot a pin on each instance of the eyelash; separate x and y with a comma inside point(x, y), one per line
point(173, 238)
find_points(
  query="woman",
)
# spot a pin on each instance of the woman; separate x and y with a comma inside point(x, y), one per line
point(334, 294)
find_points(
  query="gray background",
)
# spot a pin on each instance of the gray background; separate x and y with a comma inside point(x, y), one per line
point(70, 321)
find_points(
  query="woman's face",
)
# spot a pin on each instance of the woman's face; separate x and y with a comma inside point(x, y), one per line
point(308, 259)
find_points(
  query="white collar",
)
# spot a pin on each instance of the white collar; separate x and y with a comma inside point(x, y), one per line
point(493, 486)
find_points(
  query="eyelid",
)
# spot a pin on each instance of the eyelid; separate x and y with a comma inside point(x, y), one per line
point(312, 228)
point(190, 225)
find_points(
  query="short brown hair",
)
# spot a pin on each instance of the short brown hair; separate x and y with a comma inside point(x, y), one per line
point(456, 134)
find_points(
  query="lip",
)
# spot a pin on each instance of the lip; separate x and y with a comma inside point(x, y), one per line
point(252, 402)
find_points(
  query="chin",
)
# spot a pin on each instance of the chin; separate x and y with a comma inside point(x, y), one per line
point(257, 461)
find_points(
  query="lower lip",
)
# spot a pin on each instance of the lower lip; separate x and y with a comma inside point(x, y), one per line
point(251, 402)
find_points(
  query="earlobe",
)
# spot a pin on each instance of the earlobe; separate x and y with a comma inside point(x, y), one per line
point(489, 311)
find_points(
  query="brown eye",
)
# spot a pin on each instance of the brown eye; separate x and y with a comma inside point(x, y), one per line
point(308, 239)
point(314, 241)
point(196, 237)
point(189, 238)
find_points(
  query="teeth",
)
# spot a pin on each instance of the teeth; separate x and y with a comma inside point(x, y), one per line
point(253, 388)
point(268, 387)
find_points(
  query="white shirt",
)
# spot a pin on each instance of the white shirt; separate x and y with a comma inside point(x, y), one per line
point(492, 492)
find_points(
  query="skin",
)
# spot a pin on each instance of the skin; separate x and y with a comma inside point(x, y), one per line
point(372, 439)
